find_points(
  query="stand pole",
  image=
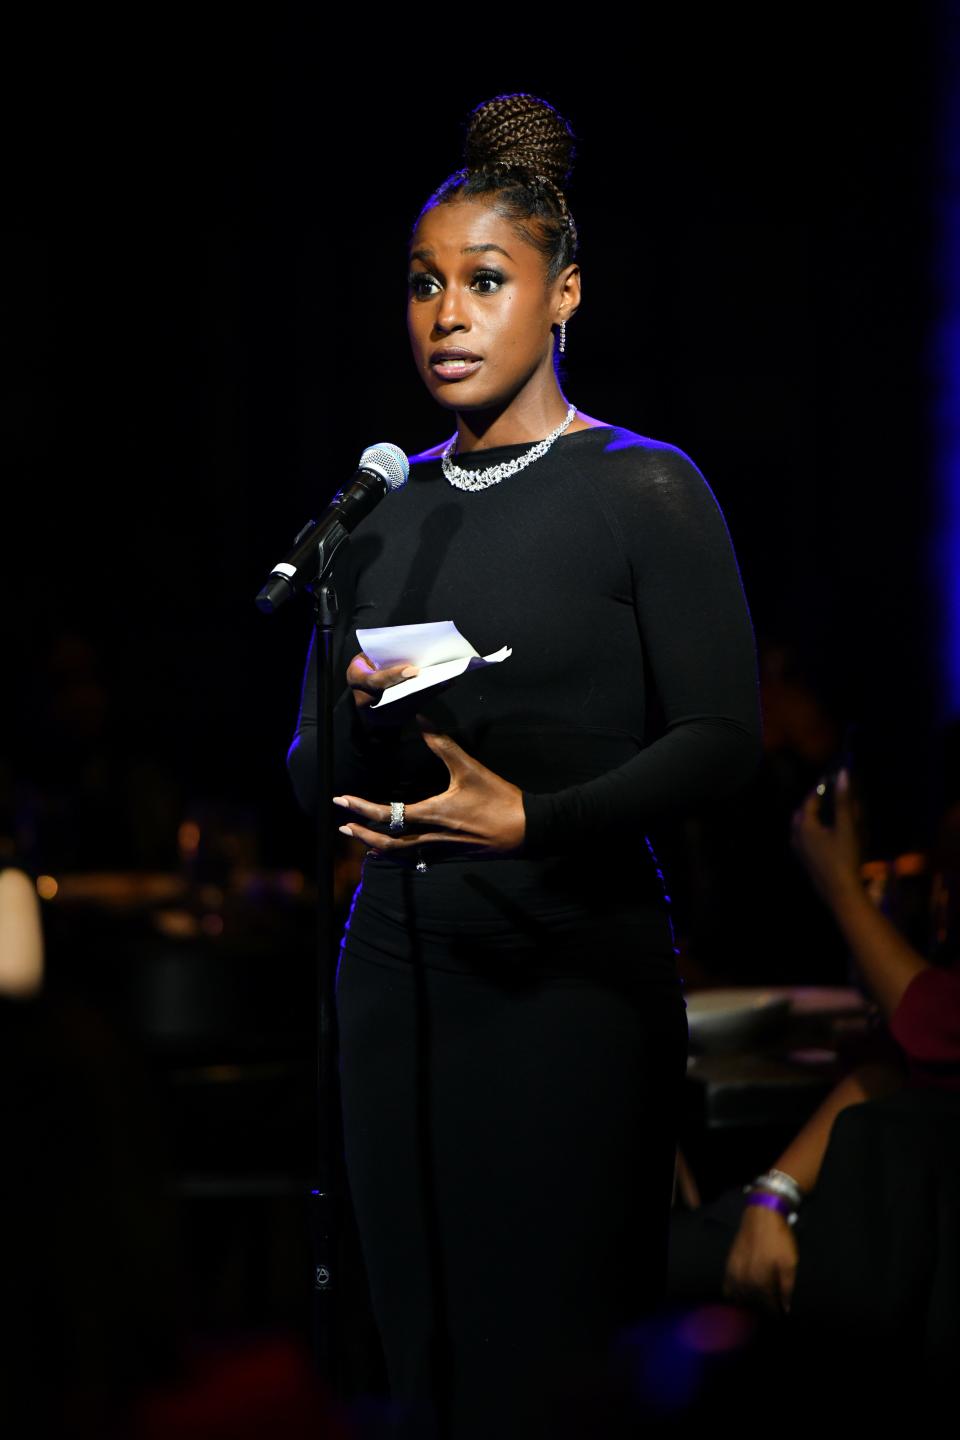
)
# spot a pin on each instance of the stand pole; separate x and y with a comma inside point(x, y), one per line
point(327, 1193)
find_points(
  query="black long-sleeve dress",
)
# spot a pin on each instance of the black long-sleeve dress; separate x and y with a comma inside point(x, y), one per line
point(513, 1029)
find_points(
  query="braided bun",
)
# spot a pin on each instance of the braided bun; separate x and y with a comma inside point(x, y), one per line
point(520, 132)
point(518, 155)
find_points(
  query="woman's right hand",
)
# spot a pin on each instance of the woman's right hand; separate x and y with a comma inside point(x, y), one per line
point(762, 1262)
point(368, 684)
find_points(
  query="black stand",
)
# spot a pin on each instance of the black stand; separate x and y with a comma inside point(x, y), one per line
point(326, 1197)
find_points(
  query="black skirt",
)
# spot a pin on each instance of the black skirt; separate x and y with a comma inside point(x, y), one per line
point(513, 1049)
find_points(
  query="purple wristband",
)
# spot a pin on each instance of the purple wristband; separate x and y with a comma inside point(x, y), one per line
point(773, 1202)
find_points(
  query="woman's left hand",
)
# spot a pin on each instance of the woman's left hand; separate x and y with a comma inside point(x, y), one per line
point(478, 809)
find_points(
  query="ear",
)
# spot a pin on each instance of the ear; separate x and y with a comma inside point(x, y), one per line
point(566, 290)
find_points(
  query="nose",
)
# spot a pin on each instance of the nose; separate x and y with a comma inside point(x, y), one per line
point(451, 312)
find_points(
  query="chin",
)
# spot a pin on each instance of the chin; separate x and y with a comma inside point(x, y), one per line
point(459, 396)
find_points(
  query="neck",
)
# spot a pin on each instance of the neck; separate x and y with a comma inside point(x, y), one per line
point(517, 424)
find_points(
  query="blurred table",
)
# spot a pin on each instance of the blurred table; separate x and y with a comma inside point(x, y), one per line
point(742, 1106)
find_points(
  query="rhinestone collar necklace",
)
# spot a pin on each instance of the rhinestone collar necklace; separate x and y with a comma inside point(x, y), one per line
point(480, 479)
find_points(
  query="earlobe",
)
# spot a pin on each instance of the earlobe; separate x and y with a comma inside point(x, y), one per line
point(570, 297)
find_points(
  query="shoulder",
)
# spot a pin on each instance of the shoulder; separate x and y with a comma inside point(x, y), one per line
point(643, 456)
point(656, 499)
point(640, 469)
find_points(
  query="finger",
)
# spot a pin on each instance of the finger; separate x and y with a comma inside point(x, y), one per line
point(367, 809)
point(807, 813)
point(391, 844)
point(417, 813)
point(455, 759)
point(359, 668)
point(380, 680)
point(393, 674)
point(362, 675)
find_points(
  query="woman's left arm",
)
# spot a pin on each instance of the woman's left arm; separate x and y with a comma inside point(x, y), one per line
point(698, 642)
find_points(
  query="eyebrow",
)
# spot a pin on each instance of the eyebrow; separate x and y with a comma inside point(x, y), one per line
point(423, 252)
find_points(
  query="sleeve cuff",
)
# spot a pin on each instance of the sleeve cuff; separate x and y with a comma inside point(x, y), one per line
point(536, 812)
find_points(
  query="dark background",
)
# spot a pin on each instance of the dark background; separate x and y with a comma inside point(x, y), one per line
point(204, 299)
point(203, 238)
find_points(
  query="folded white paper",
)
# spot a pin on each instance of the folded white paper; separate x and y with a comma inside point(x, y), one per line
point(437, 649)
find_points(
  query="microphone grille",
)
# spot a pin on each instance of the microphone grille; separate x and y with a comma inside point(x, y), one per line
point(388, 461)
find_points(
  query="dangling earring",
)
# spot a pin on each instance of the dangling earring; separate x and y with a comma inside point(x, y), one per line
point(563, 336)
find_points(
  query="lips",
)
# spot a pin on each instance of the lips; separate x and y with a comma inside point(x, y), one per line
point(452, 362)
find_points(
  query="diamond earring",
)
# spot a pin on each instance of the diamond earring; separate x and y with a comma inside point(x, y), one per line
point(563, 336)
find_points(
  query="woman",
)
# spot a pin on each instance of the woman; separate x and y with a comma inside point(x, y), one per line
point(513, 1029)
point(920, 1001)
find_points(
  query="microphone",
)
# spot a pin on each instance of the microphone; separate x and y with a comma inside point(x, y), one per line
point(382, 468)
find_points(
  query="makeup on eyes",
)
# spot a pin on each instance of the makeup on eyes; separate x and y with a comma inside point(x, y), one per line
point(484, 275)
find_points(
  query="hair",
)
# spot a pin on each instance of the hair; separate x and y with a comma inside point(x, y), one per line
point(519, 150)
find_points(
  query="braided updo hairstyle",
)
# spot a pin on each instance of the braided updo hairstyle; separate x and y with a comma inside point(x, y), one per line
point(519, 150)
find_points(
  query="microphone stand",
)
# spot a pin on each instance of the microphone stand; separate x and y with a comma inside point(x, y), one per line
point(382, 468)
point(326, 1196)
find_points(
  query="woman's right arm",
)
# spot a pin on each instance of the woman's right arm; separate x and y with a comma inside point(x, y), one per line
point(357, 733)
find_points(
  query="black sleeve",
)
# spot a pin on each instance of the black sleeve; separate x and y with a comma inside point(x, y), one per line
point(302, 754)
point(700, 655)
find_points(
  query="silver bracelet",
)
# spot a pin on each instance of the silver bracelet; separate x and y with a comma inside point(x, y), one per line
point(778, 1182)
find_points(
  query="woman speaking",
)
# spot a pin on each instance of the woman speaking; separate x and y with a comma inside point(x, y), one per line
point(512, 1024)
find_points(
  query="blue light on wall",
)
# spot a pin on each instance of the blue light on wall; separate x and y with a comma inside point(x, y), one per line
point(945, 353)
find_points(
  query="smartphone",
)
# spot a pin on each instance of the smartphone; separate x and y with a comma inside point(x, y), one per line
point(827, 785)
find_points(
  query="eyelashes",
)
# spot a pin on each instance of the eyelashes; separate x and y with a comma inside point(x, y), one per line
point(495, 278)
point(419, 283)
point(422, 285)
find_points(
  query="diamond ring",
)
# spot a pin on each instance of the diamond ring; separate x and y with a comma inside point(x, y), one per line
point(396, 826)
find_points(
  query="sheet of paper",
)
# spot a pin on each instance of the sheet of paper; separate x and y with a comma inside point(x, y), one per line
point(437, 648)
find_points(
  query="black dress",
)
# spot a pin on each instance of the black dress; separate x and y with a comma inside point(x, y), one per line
point(513, 1028)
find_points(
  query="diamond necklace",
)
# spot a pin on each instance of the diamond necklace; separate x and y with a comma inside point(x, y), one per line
point(480, 479)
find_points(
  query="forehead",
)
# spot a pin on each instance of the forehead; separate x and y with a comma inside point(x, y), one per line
point(448, 231)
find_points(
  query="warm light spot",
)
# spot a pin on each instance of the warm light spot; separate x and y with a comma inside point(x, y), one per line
point(188, 837)
point(175, 924)
point(212, 924)
point(47, 887)
point(913, 863)
point(713, 1328)
point(873, 870)
point(222, 1074)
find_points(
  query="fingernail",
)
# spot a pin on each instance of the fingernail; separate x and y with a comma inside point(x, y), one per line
point(345, 830)
point(341, 800)
point(409, 672)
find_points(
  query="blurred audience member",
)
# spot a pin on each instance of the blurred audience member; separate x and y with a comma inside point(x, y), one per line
point(920, 1001)
point(21, 936)
point(93, 1332)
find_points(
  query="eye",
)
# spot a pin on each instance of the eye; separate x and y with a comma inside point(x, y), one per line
point(420, 282)
point(488, 282)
